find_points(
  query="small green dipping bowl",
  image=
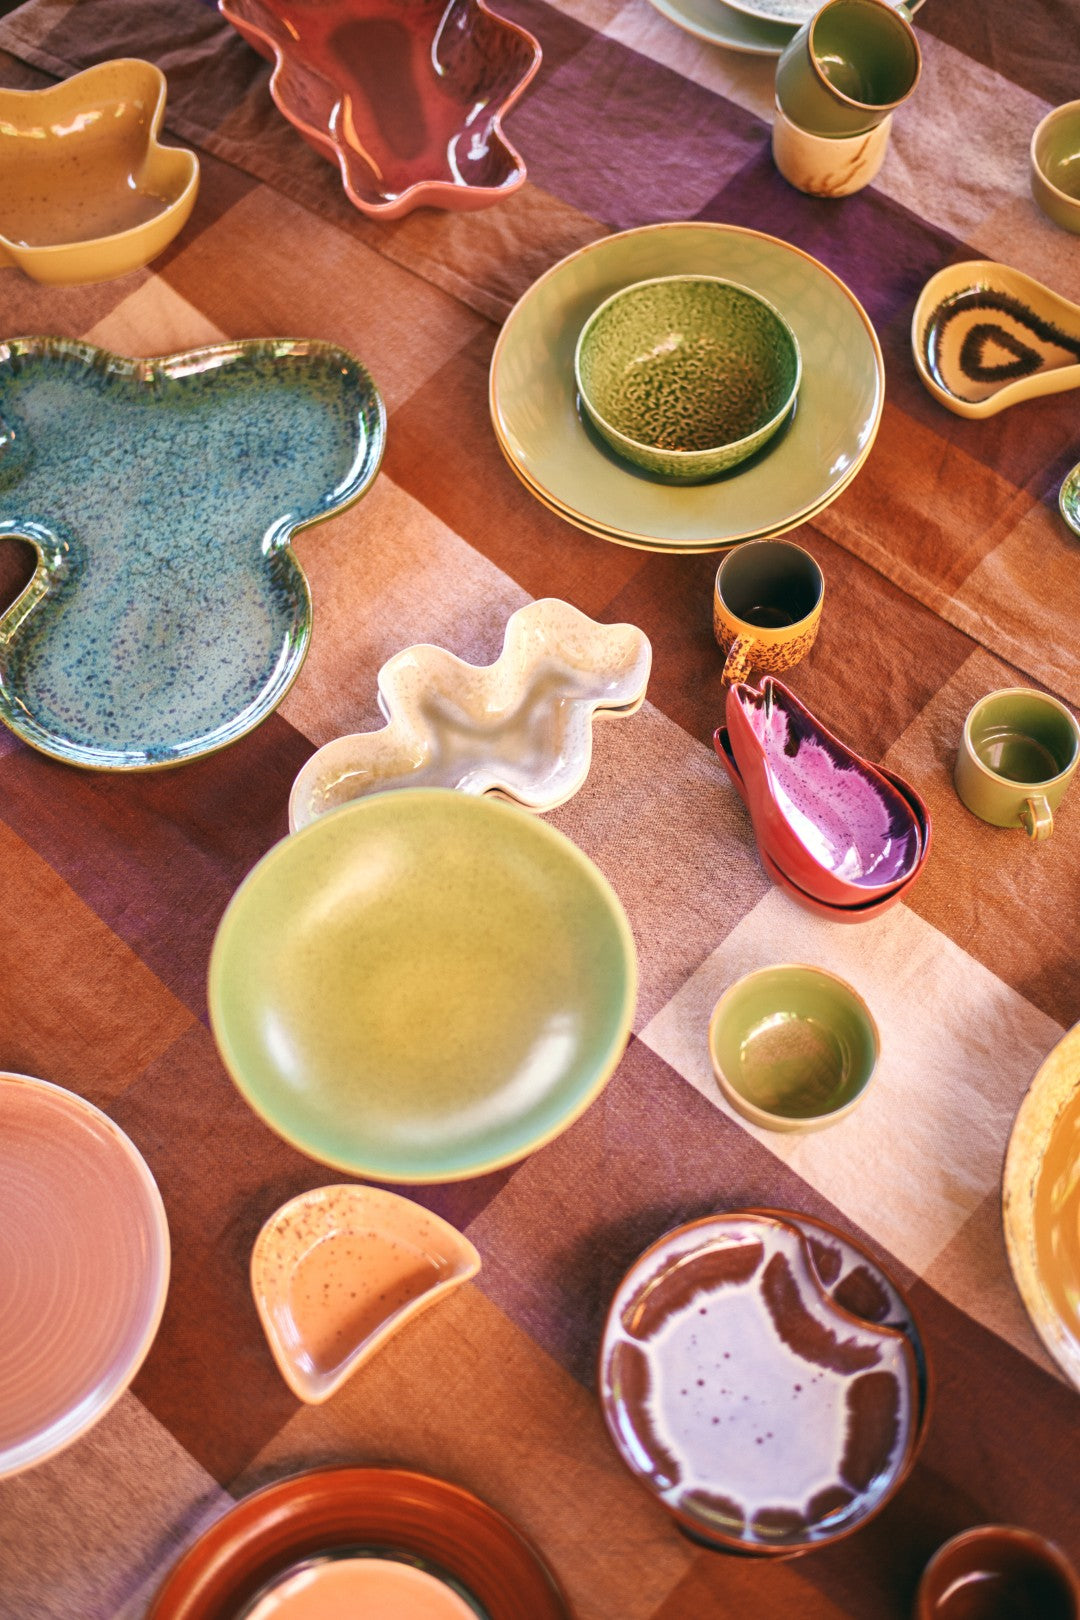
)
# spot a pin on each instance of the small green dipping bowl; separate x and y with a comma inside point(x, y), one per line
point(686, 376)
point(793, 1048)
point(1055, 166)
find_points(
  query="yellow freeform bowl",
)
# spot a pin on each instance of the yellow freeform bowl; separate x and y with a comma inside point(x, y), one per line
point(87, 192)
point(422, 986)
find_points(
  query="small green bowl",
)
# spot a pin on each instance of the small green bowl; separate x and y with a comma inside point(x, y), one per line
point(686, 376)
point(1055, 166)
point(793, 1048)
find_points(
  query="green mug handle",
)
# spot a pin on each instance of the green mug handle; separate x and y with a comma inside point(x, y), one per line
point(739, 661)
point(1037, 817)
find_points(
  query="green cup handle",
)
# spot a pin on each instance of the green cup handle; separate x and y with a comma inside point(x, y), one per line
point(739, 660)
point(1037, 817)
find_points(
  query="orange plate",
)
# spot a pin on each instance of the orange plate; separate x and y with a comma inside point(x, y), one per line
point(286, 1522)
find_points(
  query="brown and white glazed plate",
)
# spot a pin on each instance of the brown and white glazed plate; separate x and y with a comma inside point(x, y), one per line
point(385, 1512)
point(84, 1267)
point(765, 1416)
point(1041, 1203)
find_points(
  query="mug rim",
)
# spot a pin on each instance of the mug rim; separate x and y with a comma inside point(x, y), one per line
point(762, 631)
point(1044, 782)
point(1038, 135)
point(840, 95)
point(1046, 1551)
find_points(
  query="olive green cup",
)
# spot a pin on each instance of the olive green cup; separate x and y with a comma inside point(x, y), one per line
point(1055, 166)
point(848, 68)
point(687, 376)
point(1017, 756)
point(793, 1048)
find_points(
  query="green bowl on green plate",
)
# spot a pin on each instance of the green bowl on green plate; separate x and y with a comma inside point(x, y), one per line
point(686, 376)
point(422, 986)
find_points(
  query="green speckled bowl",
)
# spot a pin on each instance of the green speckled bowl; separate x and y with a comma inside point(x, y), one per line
point(686, 376)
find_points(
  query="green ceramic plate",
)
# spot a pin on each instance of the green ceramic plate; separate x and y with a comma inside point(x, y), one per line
point(722, 24)
point(637, 543)
point(422, 986)
point(534, 403)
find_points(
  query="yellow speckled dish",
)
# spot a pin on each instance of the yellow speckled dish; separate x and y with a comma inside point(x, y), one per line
point(337, 1271)
point(1041, 1203)
point(422, 986)
point(87, 192)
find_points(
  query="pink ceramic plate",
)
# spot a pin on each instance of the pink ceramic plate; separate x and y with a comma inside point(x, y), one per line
point(834, 823)
point(763, 1415)
point(84, 1267)
point(406, 99)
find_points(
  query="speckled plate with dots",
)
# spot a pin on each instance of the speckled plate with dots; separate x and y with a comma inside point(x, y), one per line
point(167, 615)
point(765, 1416)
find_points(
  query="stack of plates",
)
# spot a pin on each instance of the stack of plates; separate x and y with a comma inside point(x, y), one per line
point(534, 405)
point(758, 27)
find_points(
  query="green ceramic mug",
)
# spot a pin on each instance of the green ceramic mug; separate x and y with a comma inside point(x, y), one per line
point(848, 68)
point(1018, 754)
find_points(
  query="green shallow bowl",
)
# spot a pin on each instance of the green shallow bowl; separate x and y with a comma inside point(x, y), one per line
point(686, 376)
point(422, 986)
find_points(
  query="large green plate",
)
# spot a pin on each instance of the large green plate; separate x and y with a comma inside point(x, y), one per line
point(422, 986)
point(534, 403)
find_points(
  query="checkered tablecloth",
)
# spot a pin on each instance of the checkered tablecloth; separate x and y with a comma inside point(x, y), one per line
point(949, 573)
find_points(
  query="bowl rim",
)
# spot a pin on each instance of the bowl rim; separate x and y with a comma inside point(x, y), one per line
point(688, 458)
point(772, 1119)
point(1040, 131)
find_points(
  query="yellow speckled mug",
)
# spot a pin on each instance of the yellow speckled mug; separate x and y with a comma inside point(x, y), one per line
point(766, 607)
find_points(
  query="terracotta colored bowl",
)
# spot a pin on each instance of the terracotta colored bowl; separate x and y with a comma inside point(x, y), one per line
point(998, 1572)
point(406, 100)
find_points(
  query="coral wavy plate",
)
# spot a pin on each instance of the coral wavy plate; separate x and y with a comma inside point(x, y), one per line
point(167, 615)
point(521, 727)
point(370, 1510)
point(406, 98)
point(87, 191)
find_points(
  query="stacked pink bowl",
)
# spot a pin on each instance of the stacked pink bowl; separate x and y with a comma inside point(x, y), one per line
point(844, 838)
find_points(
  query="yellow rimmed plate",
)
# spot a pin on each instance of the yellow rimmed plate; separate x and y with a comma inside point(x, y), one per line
point(534, 405)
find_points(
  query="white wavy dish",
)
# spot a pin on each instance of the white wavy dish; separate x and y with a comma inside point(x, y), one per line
point(520, 728)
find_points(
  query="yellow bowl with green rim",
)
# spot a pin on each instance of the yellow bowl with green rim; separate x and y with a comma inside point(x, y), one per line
point(422, 986)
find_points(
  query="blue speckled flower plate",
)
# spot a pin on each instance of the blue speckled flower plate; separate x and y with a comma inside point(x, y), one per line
point(167, 616)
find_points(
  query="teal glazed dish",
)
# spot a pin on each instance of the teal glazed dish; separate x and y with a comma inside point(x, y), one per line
point(167, 615)
point(686, 376)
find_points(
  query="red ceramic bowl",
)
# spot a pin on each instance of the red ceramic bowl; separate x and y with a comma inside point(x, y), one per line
point(818, 808)
point(809, 902)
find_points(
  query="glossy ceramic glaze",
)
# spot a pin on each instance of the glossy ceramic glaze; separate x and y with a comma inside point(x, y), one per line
point(1055, 166)
point(388, 1511)
point(767, 599)
point(87, 191)
point(340, 1586)
point(831, 821)
point(985, 337)
point(762, 1414)
point(686, 376)
point(521, 727)
point(793, 1047)
point(1069, 499)
point(534, 403)
point(84, 1268)
point(828, 166)
point(1041, 1203)
point(864, 911)
point(422, 986)
point(337, 1271)
point(792, 14)
point(167, 615)
point(848, 67)
point(1017, 757)
point(998, 1572)
point(407, 99)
